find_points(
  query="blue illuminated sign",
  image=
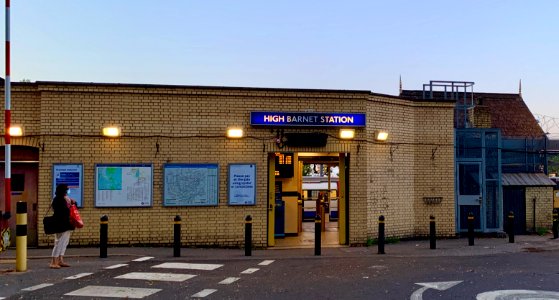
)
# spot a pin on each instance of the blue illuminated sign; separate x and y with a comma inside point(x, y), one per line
point(259, 118)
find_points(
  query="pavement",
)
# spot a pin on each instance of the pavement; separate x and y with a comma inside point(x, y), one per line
point(88, 260)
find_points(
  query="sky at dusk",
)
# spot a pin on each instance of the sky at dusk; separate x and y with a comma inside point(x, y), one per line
point(354, 45)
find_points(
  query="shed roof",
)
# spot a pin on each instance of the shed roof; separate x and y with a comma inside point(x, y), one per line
point(526, 179)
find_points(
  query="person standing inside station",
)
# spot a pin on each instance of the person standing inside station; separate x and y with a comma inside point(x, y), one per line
point(61, 207)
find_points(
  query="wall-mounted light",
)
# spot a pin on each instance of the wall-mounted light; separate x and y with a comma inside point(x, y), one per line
point(15, 131)
point(381, 135)
point(111, 131)
point(234, 133)
point(347, 134)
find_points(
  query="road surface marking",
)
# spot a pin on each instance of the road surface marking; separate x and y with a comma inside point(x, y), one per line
point(114, 292)
point(37, 287)
point(156, 276)
point(143, 258)
point(229, 280)
point(204, 267)
point(441, 286)
point(204, 293)
point(78, 276)
point(266, 262)
point(517, 294)
point(250, 271)
point(116, 266)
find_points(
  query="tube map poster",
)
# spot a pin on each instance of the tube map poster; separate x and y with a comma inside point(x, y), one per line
point(190, 184)
point(123, 185)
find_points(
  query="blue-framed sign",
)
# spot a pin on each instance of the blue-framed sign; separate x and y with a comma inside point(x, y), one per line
point(270, 118)
point(242, 184)
point(123, 185)
point(190, 184)
point(72, 175)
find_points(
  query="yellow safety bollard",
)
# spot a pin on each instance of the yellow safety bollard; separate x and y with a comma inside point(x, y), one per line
point(21, 236)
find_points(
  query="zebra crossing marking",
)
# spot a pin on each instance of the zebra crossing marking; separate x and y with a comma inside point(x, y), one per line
point(113, 292)
point(81, 275)
point(204, 293)
point(229, 280)
point(266, 263)
point(116, 266)
point(250, 271)
point(204, 267)
point(37, 287)
point(156, 276)
point(143, 258)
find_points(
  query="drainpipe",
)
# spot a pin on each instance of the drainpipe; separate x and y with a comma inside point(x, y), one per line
point(534, 214)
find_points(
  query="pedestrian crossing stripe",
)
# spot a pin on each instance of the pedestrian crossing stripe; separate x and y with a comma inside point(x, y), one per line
point(156, 276)
point(114, 292)
point(229, 280)
point(266, 263)
point(37, 287)
point(143, 258)
point(204, 293)
point(78, 276)
point(250, 271)
point(203, 267)
point(116, 266)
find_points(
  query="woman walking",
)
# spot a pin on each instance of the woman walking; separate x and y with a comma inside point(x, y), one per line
point(61, 207)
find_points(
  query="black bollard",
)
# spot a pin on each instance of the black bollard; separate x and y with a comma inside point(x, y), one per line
point(104, 236)
point(381, 238)
point(317, 234)
point(470, 229)
point(510, 226)
point(432, 233)
point(248, 236)
point(177, 236)
point(555, 223)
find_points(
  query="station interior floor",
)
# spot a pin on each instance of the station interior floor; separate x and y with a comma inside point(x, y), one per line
point(305, 239)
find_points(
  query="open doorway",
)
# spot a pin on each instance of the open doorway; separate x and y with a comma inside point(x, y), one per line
point(307, 185)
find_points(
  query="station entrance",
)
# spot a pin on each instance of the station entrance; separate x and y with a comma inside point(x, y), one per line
point(302, 187)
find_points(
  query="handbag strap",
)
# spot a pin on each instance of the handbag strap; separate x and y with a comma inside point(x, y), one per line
point(50, 206)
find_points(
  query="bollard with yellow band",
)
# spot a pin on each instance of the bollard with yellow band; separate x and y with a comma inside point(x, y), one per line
point(103, 236)
point(21, 236)
point(471, 221)
point(248, 236)
point(177, 236)
point(381, 236)
point(317, 234)
point(555, 223)
point(510, 225)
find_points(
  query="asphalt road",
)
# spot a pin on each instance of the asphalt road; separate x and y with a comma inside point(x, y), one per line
point(309, 277)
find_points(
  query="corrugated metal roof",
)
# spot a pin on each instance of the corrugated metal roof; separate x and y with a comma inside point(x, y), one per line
point(526, 179)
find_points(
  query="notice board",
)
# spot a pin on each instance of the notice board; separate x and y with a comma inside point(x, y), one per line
point(123, 185)
point(190, 184)
point(72, 175)
point(242, 184)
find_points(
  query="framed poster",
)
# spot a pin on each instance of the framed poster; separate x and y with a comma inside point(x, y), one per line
point(72, 175)
point(123, 185)
point(242, 184)
point(190, 184)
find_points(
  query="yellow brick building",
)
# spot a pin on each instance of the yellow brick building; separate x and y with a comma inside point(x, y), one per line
point(406, 178)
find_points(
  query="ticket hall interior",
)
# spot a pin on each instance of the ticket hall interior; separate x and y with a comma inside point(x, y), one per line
point(308, 192)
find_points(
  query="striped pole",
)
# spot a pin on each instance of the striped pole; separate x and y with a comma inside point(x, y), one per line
point(7, 122)
point(21, 236)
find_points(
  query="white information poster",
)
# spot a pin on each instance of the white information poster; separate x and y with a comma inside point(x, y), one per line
point(123, 185)
point(242, 184)
point(72, 175)
point(190, 184)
